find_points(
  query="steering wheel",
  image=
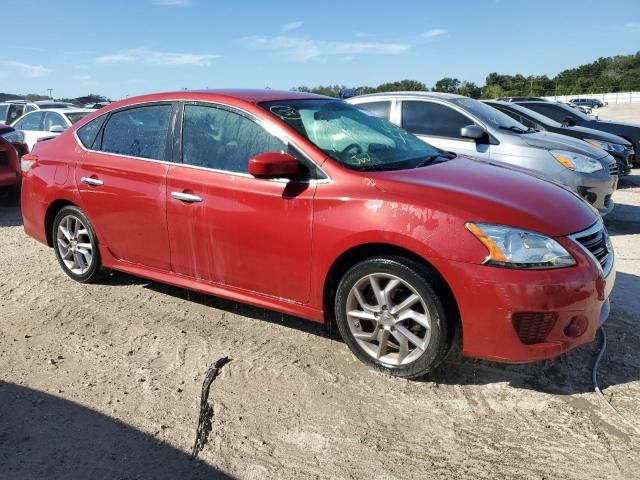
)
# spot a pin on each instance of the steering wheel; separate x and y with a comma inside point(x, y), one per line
point(355, 147)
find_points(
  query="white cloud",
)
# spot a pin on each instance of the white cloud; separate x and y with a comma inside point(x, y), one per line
point(26, 70)
point(302, 49)
point(291, 26)
point(158, 58)
point(436, 32)
point(172, 3)
point(633, 27)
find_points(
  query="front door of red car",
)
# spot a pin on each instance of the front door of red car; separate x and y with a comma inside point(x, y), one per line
point(228, 227)
point(122, 184)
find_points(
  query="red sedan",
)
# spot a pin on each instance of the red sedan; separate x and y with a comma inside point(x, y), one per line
point(313, 207)
point(12, 147)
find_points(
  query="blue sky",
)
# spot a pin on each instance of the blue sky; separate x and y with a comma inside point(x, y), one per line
point(128, 47)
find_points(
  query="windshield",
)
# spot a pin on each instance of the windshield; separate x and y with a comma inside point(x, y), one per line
point(575, 111)
point(535, 116)
point(3, 112)
point(74, 117)
point(353, 137)
point(490, 115)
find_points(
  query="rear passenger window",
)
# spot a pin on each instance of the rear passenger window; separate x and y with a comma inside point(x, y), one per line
point(429, 118)
point(87, 133)
point(138, 132)
point(379, 109)
point(223, 140)
point(29, 122)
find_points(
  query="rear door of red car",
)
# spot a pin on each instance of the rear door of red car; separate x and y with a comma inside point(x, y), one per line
point(228, 227)
point(122, 183)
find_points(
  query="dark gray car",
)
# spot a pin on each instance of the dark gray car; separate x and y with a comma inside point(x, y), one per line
point(467, 126)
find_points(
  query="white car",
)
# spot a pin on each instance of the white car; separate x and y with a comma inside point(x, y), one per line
point(48, 123)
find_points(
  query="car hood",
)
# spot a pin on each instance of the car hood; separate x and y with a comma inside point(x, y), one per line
point(478, 190)
point(555, 141)
point(598, 135)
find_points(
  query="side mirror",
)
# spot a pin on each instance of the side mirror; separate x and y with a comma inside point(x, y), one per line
point(273, 165)
point(474, 132)
point(57, 129)
point(568, 121)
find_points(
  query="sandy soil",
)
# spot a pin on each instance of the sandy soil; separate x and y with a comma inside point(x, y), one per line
point(626, 112)
point(103, 381)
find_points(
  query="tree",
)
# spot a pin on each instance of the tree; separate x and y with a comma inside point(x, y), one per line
point(469, 89)
point(447, 85)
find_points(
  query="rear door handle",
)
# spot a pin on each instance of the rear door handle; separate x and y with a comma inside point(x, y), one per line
point(185, 197)
point(94, 182)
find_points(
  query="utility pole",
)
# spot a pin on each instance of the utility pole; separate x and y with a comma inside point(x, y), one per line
point(50, 95)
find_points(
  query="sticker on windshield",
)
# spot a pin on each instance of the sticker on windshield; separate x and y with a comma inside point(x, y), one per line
point(285, 112)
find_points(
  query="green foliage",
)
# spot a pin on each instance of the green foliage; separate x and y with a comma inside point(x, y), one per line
point(611, 74)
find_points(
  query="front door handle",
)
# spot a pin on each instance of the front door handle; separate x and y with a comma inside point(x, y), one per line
point(185, 197)
point(94, 182)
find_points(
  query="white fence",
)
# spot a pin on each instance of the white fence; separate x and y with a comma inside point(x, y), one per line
point(621, 97)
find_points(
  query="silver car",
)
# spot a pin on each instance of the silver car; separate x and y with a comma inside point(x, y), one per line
point(469, 127)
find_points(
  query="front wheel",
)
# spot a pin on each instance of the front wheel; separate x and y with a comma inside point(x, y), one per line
point(76, 245)
point(391, 316)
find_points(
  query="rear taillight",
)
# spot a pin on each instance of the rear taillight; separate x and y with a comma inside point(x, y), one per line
point(27, 161)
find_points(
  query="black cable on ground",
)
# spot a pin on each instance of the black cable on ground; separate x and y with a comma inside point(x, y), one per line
point(206, 409)
point(594, 378)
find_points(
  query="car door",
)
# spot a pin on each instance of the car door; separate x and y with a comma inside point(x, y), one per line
point(122, 182)
point(228, 227)
point(439, 125)
point(31, 125)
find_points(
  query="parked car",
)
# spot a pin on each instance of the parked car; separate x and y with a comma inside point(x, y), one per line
point(48, 123)
point(12, 147)
point(518, 99)
point(469, 127)
point(588, 102)
point(11, 110)
point(96, 105)
point(53, 104)
point(580, 108)
point(568, 116)
point(618, 147)
point(310, 206)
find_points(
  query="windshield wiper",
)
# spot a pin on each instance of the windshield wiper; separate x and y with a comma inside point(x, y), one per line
point(513, 128)
point(432, 158)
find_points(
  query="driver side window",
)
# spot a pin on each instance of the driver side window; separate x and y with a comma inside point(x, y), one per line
point(223, 140)
point(433, 119)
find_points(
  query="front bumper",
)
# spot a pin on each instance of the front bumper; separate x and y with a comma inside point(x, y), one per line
point(596, 188)
point(624, 161)
point(490, 297)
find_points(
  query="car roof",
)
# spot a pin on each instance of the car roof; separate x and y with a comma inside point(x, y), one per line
point(64, 110)
point(247, 95)
point(424, 94)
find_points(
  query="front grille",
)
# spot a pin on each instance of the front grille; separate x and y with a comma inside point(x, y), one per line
point(613, 169)
point(596, 241)
point(533, 327)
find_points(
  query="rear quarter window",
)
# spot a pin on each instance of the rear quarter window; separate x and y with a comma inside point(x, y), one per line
point(87, 133)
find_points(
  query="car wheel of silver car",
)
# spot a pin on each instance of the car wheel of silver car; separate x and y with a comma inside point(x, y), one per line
point(390, 314)
point(76, 245)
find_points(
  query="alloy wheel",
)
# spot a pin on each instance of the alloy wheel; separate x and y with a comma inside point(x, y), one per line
point(388, 318)
point(74, 245)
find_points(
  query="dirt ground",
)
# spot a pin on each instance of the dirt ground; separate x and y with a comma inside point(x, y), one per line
point(626, 112)
point(103, 381)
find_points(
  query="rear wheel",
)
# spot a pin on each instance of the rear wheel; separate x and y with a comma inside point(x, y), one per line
point(389, 313)
point(76, 245)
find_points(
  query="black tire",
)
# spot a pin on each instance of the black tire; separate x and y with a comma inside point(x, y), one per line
point(429, 288)
point(94, 270)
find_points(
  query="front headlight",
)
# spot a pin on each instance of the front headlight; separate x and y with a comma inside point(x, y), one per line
point(16, 136)
point(576, 161)
point(609, 147)
point(516, 248)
